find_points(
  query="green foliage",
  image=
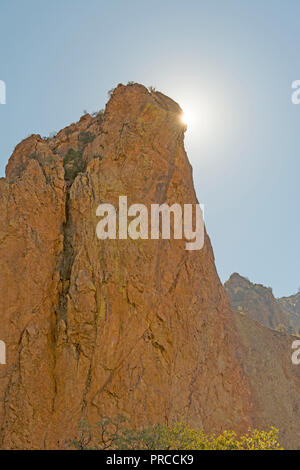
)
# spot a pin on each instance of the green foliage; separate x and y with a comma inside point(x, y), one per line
point(104, 435)
point(98, 156)
point(86, 137)
point(100, 115)
point(73, 164)
point(113, 434)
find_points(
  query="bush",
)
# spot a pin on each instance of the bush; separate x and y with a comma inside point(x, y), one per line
point(113, 434)
point(86, 137)
point(100, 115)
point(73, 164)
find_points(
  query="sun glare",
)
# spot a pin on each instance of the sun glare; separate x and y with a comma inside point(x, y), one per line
point(201, 119)
point(188, 118)
point(185, 119)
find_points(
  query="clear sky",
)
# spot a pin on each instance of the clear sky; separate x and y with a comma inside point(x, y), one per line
point(230, 65)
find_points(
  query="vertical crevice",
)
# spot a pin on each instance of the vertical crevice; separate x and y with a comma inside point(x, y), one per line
point(66, 260)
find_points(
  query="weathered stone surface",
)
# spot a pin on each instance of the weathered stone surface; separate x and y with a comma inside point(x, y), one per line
point(143, 327)
point(291, 305)
point(257, 302)
point(273, 378)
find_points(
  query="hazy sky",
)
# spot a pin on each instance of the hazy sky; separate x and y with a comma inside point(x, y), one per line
point(229, 64)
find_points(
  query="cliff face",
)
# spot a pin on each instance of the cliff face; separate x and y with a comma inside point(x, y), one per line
point(257, 302)
point(139, 327)
point(291, 305)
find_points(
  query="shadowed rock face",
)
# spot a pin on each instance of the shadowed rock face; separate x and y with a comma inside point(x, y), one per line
point(291, 305)
point(142, 327)
point(257, 302)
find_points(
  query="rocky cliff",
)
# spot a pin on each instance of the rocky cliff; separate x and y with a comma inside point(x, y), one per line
point(139, 327)
point(291, 305)
point(258, 302)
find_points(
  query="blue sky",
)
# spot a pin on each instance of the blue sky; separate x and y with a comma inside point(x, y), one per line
point(230, 64)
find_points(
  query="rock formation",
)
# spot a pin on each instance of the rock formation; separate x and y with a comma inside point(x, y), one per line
point(139, 327)
point(259, 303)
point(291, 305)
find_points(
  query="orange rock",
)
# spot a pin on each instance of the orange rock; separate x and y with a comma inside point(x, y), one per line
point(143, 327)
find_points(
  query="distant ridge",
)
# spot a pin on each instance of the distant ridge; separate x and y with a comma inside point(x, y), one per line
point(259, 303)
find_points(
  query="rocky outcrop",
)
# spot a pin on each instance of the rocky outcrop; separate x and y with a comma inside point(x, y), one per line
point(257, 302)
point(139, 327)
point(291, 305)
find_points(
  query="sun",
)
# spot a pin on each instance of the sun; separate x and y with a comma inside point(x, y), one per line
point(186, 118)
point(199, 119)
point(189, 117)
